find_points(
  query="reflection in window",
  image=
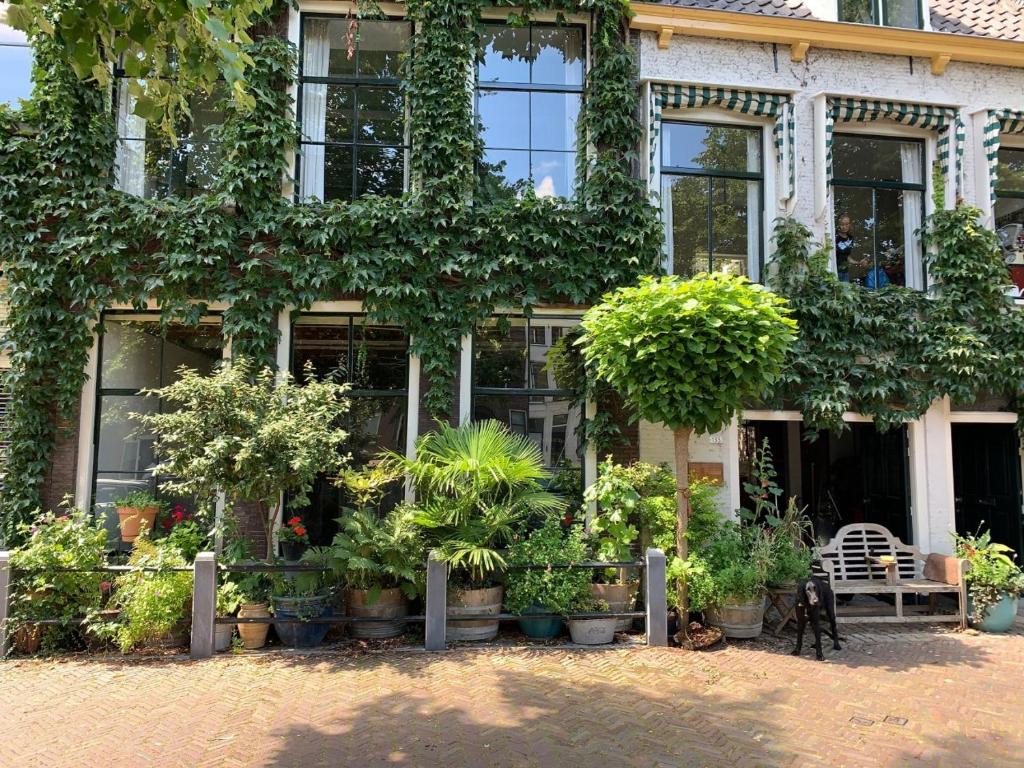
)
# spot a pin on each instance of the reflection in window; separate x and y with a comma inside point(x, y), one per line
point(887, 13)
point(136, 355)
point(530, 85)
point(513, 383)
point(149, 165)
point(352, 113)
point(878, 188)
point(712, 178)
point(1009, 207)
point(15, 66)
point(374, 360)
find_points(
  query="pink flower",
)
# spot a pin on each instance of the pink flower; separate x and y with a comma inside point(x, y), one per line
point(104, 586)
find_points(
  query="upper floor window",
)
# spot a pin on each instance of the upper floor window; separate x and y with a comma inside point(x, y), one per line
point(712, 181)
point(1010, 191)
point(529, 90)
point(15, 65)
point(351, 109)
point(878, 188)
point(887, 13)
point(150, 165)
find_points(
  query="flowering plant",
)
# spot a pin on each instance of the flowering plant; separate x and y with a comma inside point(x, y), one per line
point(176, 516)
point(294, 532)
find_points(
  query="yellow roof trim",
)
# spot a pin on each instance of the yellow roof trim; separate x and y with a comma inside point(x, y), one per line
point(802, 34)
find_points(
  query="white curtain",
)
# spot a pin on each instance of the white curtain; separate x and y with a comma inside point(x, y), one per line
point(131, 148)
point(753, 206)
point(315, 63)
point(910, 160)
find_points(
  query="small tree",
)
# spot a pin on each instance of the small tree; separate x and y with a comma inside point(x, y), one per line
point(687, 354)
point(248, 434)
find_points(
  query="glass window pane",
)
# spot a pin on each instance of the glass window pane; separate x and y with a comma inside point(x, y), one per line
point(1011, 170)
point(544, 333)
point(340, 111)
point(131, 354)
point(553, 119)
point(686, 203)
point(902, 13)
point(549, 422)
point(329, 47)
point(553, 173)
point(206, 114)
point(381, 116)
point(711, 147)
point(375, 424)
point(872, 158)
point(511, 165)
point(381, 357)
point(324, 345)
point(558, 55)
point(857, 11)
point(199, 348)
point(735, 230)
point(855, 233)
point(337, 173)
point(16, 66)
point(122, 446)
point(505, 55)
point(499, 356)
point(1010, 210)
point(899, 215)
point(381, 44)
point(381, 171)
point(505, 116)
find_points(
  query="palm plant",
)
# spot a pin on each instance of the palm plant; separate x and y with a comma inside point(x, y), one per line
point(476, 485)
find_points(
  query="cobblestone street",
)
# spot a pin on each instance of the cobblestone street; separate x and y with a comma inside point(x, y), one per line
point(890, 698)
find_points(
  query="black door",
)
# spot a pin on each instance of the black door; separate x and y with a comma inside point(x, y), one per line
point(883, 456)
point(987, 482)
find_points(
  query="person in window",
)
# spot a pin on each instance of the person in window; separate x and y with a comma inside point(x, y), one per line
point(850, 269)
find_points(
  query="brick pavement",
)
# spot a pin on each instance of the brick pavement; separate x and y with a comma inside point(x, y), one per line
point(920, 697)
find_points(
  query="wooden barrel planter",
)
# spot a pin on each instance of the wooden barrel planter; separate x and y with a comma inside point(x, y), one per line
point(739, 619)
point(474, 602)
point(390, 606)
point(620, 600)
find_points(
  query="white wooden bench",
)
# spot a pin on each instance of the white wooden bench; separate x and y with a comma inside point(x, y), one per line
point(866, 559)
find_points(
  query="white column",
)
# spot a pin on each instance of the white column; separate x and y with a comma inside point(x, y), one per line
point(86, 424)
point(466, 379)
point(935, 511)
point(590, 463)
point(412, 420)
point(731, 464)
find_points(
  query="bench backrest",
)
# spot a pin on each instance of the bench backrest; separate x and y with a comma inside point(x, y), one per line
point(853, 543)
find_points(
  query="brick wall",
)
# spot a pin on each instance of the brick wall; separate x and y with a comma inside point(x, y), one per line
point(60, 479)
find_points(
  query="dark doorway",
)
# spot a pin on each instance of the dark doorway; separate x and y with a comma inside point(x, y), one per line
point(987, 481)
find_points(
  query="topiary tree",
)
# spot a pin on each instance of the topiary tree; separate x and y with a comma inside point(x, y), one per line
point(252, 435)
point(687, 353)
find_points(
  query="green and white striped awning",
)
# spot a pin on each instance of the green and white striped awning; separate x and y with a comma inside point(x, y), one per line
point(999, 121)
point(774, 105)
point(946, 121)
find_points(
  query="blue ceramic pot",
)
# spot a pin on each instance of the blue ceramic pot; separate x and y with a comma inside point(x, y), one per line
point(540, 629)
point(999, 617)
point(307, 634)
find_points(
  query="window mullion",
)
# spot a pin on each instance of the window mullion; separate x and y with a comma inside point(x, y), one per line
point(710, 222)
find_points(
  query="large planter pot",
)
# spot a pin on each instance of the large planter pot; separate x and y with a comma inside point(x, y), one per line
point(292, 551)
point(998, 617)
point(131, 520)
point(253, 635)
point(26, 639)
point(739, 619)
point(592, 631)
point(390, 606)
point(474, 602)
point(540, 629)
point(222, 634)
point(306, 634)
point(619, 598)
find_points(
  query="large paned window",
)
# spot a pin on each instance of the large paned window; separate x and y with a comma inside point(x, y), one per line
point(374, 360)
point(712, 192)
point(529, 90)
point(886, 13)
point(1009, 208)
point(15, 66)
point(514, 383)
point(878, 188)
point(351, 109)
point(149, 165)
point(137, 353)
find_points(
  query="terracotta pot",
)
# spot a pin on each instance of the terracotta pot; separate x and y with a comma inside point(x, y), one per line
point(131, 520)
point(620, 599)
point(390, 605)
point(474, 602)
point(253, 635)
point(739, 619)
point(26, 639)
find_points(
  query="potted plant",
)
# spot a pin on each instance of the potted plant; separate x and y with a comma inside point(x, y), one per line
point(229, 597)
point(294, 539)
point(734, 566)
point(591, 631)
point(136, 511)
point(306, 596)
point(546, 590)
point(476, 484)
point(994, 581)
point(254, 603)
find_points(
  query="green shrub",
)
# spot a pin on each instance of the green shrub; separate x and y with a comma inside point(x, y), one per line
point(993, 574)
point(732, 565)
point(558, 590)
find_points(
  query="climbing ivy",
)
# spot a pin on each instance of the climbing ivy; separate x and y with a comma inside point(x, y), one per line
point(435, 261)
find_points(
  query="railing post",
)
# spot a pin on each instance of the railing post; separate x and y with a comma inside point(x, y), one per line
point(657, 602)
point(5, 598)
point(204, 605)
point(436, 604)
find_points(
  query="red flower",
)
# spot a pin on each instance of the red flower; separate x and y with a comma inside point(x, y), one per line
point(167, 525)
point(295, 521)
point(179, 514)
point(299, 530)
point(104, 586)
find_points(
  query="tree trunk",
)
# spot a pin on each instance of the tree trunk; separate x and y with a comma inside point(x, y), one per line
point(682, 450)
point(269, 513)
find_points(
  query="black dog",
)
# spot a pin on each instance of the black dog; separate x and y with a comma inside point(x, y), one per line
point(811, 596)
